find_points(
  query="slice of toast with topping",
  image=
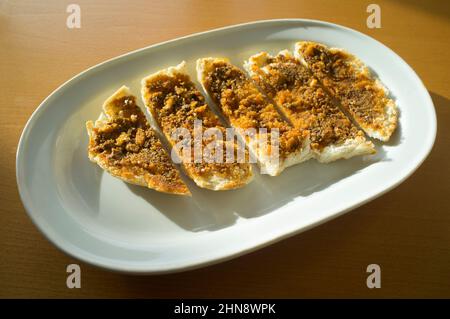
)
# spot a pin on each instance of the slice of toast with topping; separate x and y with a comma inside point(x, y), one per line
point(122, 143)
point(303, 101)
point(247, 110)
point(349, 80)
point(175, 103)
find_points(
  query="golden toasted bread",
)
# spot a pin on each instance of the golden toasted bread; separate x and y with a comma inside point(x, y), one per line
point(349, 80)
point(123, 144)
point(245, 108)
point(175, 103)
point(303, 101)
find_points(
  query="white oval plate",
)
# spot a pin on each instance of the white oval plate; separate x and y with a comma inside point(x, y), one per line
point(106, 222)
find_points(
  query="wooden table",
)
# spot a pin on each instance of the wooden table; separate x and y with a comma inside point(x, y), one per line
point(406, 232)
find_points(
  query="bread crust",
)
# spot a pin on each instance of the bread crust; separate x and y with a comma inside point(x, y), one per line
point(349, 80)
point(162, 177)
point(245, 107)
point(307, 106)
point(174, 102)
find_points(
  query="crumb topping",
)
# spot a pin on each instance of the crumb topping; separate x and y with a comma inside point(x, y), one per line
point(304, 102)
point(245, 107)
point(128, 143)
point(356, 91)
point(177, 103)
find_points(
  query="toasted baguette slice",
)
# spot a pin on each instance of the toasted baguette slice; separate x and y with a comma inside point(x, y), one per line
point(302, 100)
point(247, 110)
point(123, 144)
point(349, 80)
point(175, 103)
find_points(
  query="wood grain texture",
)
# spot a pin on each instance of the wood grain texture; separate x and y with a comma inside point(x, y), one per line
point(406, 231)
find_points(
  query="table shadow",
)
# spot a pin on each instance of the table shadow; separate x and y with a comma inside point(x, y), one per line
point(212, 210)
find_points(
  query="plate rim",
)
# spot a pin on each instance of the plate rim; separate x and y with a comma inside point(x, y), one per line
point(65, 245)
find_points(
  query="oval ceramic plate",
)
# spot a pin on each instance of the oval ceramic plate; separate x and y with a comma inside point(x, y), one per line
point(106, 222)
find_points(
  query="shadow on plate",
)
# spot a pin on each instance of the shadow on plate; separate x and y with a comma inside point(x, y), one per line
point(210, 210)
point(83, 172)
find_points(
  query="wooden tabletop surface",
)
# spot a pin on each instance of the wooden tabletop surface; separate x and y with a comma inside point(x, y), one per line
point(406, 232)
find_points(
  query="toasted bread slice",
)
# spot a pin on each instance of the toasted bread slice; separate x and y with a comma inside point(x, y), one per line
point(349, 80)
point(175, 103)
point(246, 109)
point(122, 143)
point(302, 100)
